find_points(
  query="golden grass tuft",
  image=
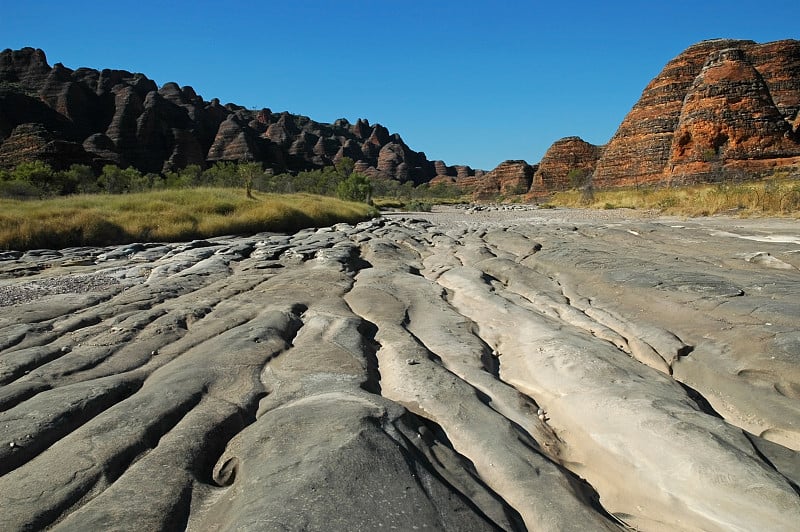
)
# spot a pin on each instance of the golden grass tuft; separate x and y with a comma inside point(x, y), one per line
point(165, 216)
point(769, 197)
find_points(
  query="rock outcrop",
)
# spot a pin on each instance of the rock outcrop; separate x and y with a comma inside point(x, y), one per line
point(565, 164)
point(720, 105)
point(474, 369)
point(722, 108)
point(510, 178)
point(66, 116)
point(728, 114)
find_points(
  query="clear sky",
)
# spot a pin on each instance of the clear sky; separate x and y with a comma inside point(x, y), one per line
point(468, 82)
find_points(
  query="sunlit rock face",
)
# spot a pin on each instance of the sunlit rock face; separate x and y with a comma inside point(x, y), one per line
point(719, 106)
point(509, 178)
point(566, 164)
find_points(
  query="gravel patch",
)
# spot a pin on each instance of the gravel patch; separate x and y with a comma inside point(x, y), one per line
point(459, 216)
point(28, 291)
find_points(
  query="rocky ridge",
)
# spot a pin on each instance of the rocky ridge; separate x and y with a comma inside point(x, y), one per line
point(719, 106)
point(721, 109)
point(86, 116)
point(476, 369)
point(510, 178)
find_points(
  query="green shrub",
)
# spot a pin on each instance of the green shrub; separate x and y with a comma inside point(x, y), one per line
point(37, 174)
point(81, 179)
point(419, 206)
point(356, 187)
point(222, 174)
point(115, 180)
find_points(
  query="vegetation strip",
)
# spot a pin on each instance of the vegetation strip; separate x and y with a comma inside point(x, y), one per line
point(165, 216)
point(778, 195)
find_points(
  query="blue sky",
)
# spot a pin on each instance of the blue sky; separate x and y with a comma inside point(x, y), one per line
point(468, 82)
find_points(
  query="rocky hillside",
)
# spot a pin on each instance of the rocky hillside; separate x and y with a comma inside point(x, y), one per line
point(96, 117)
point(565, 164)
point(720, 106)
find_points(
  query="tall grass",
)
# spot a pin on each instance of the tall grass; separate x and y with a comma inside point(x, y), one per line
point(778, 196)
point(164, 216)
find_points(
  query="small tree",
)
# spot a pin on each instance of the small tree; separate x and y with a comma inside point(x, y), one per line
point(248, 173)
point(587, 193)
point(345, 166)
point(356, 187)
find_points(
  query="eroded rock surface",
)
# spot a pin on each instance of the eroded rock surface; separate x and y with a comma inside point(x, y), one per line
point(483, 369)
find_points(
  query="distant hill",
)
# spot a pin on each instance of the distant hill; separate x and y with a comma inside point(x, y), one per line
point(96, 117)
point(721, 109)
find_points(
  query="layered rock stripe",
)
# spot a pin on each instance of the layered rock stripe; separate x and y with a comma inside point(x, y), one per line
point(476, 370)
point(720, 105)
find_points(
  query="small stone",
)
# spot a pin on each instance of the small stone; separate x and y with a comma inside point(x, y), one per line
point(412, 361)
point(12, 444)
point(540, 412)
point(66, 349)
point(542, 418)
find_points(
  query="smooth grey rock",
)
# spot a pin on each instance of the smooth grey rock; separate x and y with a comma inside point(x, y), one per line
point(495, 368)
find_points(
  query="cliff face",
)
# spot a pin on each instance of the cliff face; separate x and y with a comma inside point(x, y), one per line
point(719, 105)
point(66, 116)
